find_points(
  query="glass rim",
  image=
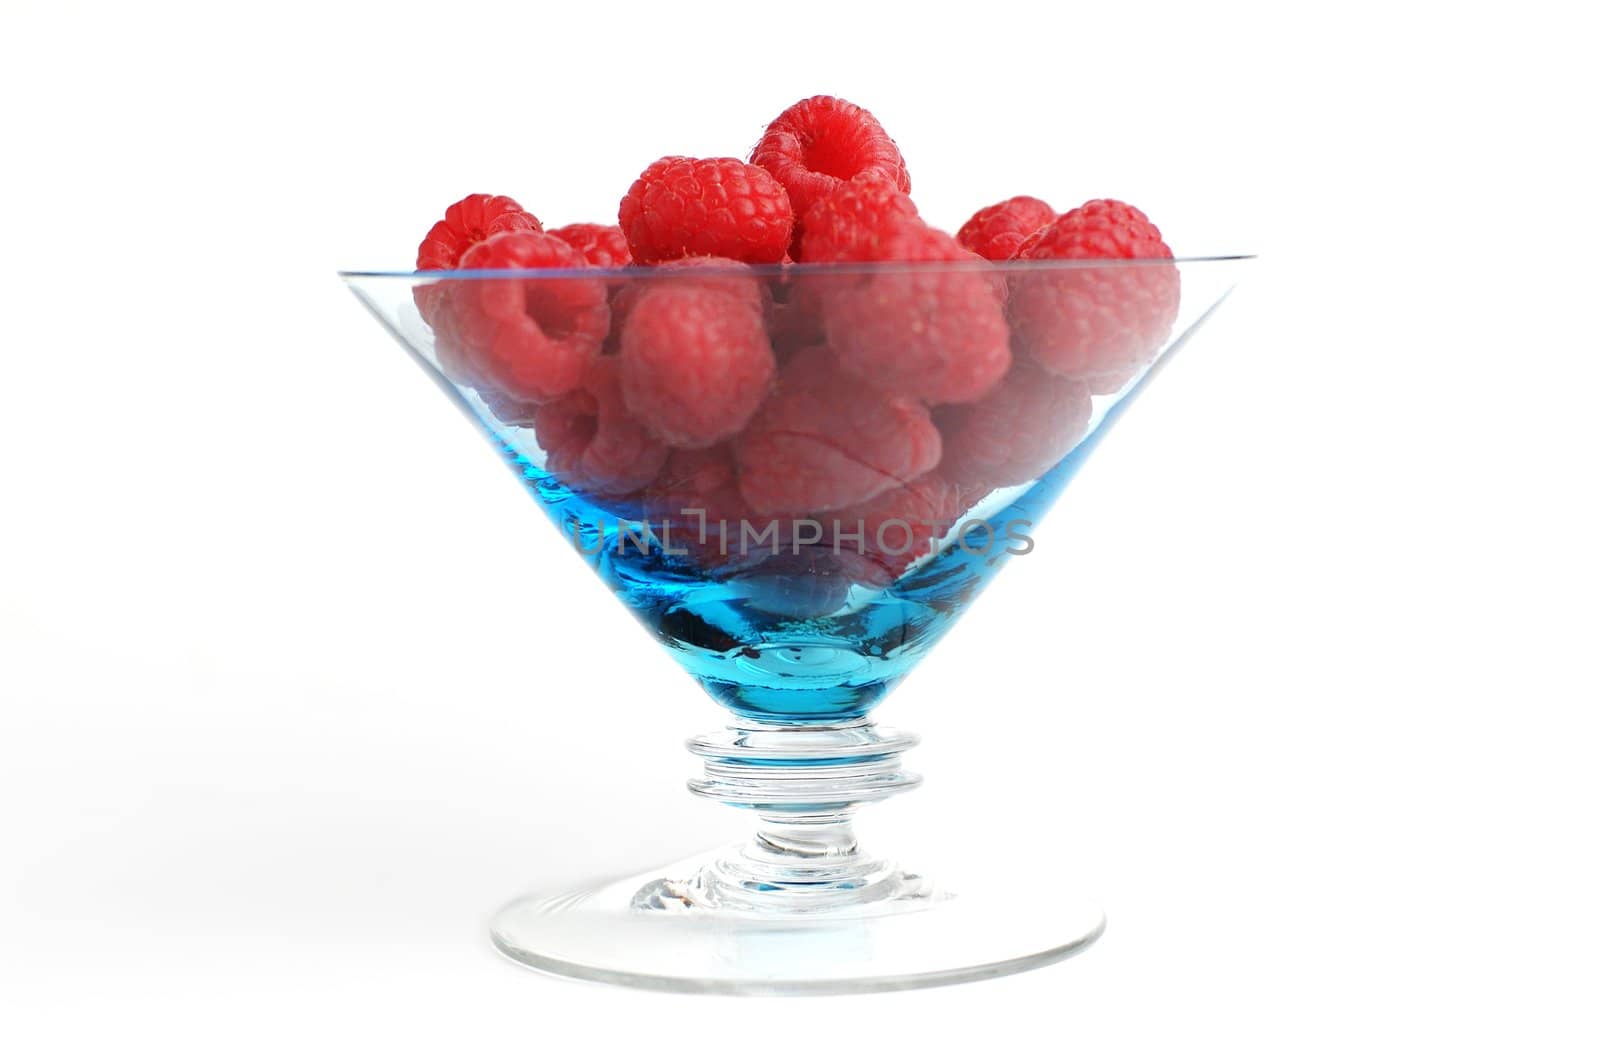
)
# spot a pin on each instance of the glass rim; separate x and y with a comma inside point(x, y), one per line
point(784, 271)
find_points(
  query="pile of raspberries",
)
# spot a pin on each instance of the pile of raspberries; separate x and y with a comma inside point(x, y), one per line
point(726, 382)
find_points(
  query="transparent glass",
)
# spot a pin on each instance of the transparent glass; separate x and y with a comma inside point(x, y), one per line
point(797, 478)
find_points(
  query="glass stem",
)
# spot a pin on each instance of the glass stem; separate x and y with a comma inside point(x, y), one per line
point(831, 839)
point(805, 783)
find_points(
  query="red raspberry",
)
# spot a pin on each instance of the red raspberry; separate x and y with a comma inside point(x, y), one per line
point(825, 441)
point(934, 333)
point(465, 223)
point(528, 337)
point(695, 363)
point(895, 528)
point(455, 361)
point(818, 143)
point(694, 474)
point(697, 496)
point(734, 279)
point(1101, 229)
point(591, 441)
point(600, 245)
point(848, 224)
point(1096, 322)
point(1016, 433)
point(681, 206)
point(996, 231)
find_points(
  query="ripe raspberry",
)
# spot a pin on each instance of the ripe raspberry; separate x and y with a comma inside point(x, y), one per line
point(590, 440)
point(734, 279)
point(824, 441)
point(681, 206)
point(1096, 322)
point(600, 245)
point(1102, 229)
point(849, 223)
point(759, 559)
point(694, 474)
point(818, 143)
point(528, 337)
point(1015, 434)
point(995, 232)
point(895, 528)
point(465, 223)
point(696, 495)
point(455, 361)
point(695, 363)
point(932, 333)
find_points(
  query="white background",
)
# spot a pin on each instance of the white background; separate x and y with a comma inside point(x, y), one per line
point(297, 685)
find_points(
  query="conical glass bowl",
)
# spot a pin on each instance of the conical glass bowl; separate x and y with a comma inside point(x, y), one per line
point(797, 478)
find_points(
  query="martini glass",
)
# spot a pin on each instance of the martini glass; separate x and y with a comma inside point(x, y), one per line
point(799, 570)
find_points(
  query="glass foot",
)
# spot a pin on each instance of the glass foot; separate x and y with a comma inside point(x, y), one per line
point(663, 930)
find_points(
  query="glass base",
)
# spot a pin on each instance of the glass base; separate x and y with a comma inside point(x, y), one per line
point(656, 931)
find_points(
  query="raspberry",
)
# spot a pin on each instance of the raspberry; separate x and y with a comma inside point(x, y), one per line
point(528, 337)
point(695, 363)
point(996, 231)
point(696, 498)
point(681, 206)
point(465, 223)
point(696, 495)
point(1101, 229)
point(1095, 323)
point(454, 360)
point(848, 224)
point(735, 279)
point(1016, 433)
point(935, 334)
point(600, 245)
point(824, 441)
point(821, 142)
point(695, 474)
point(896, 528)
point(707, 271)
point(591, 441)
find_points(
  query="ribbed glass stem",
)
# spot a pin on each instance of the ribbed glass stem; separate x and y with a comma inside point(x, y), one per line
point(805, 783)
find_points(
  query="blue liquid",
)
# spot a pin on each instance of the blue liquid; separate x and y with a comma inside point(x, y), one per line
point(792, 641)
